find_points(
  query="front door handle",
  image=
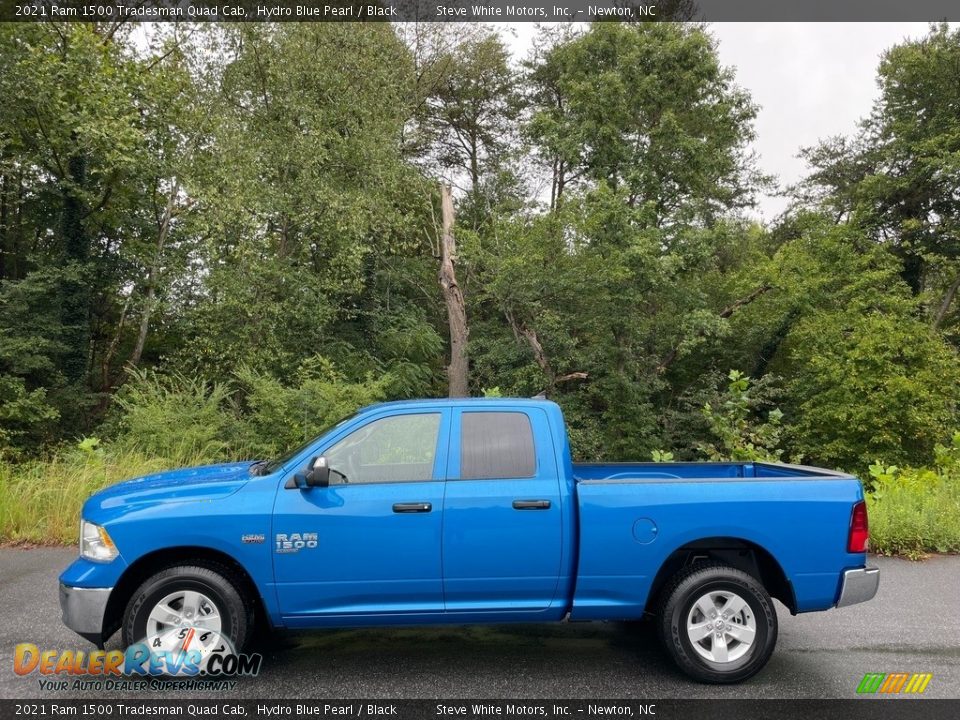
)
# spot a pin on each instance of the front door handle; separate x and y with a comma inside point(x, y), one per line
point(413, 507)
point(531, 504)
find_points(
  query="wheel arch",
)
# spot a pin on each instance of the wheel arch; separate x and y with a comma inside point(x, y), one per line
point(739, 553)
point(158, 560)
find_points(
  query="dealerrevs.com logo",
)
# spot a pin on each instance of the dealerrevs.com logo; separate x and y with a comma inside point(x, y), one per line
point(212, 659)
point(894, 683)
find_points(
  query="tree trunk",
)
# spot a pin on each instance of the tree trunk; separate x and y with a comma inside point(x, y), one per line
point(913, 269)
point(106, 382)
point(457, 371)
point(560, 181)
point(539, 356)
point(4, 221)
point(75, 290)
point(474, 164)
point(149, 302)
point(15, 269)
point(947, 301)
point(150, 299)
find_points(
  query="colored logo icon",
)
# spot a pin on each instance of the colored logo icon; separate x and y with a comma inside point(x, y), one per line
point(894, 683)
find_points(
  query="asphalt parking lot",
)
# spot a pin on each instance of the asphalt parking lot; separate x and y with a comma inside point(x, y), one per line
point(913, 625)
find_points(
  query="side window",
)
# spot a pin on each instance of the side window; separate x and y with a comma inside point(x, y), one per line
point(401, 448)
point(496, 445)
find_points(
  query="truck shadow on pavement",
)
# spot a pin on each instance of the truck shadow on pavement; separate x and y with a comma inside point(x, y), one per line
point(536, 660)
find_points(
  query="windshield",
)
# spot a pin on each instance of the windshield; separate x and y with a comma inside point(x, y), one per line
point(273, 465)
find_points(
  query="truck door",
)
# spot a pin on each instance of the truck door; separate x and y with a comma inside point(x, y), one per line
point(369, 543)
point(502, 531)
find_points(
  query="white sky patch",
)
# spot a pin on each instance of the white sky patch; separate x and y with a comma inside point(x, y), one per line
point(811, 81)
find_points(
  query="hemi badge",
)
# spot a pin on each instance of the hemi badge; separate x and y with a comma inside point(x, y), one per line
point(252, 538)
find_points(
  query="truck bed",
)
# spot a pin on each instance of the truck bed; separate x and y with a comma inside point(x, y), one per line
point(633, 516)
point(638, 472)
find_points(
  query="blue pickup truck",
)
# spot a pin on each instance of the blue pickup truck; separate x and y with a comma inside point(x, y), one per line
point(469, 511)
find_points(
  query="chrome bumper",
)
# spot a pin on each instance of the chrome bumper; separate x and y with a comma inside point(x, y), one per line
point(83, 610)
point(859, 586)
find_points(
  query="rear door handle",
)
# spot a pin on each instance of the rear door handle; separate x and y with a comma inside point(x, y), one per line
point(531, 504)
point(414, 507)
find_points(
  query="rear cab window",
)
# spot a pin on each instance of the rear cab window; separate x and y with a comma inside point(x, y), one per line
point(496, 445)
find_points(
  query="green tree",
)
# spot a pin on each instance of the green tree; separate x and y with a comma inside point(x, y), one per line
point(900, 181)
point(80, 133)
point(472, 107)
point(308, 210)
point(866, 376)
point(606, 292)
point(648, 110)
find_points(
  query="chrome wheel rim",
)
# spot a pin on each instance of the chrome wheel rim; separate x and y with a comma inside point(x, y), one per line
point(184, 609)
point(721, 626)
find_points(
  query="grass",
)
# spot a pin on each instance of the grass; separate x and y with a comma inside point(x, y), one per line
point(916, 516)
point(40, 500)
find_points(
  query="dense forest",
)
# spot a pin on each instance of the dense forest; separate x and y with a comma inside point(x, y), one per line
point(217, 239)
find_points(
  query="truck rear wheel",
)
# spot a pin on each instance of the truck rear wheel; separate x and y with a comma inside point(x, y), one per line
point(174, 601)
point(718, 623)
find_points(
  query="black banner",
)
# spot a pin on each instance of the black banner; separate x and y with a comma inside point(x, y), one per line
point(480, 11)
point(855, 709)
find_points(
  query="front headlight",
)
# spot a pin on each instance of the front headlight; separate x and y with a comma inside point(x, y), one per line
point(95, 543)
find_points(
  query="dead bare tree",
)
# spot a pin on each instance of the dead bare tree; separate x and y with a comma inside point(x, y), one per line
point(458, 370)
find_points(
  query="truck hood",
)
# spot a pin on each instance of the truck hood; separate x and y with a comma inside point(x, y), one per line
point(208, 482)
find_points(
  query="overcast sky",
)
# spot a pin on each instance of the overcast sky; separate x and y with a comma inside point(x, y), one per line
point(811, 81)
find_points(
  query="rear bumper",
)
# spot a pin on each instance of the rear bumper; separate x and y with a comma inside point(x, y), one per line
point(83, 610)
point(859, 586)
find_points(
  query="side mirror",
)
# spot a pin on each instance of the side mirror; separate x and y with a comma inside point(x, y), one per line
point(319, 473)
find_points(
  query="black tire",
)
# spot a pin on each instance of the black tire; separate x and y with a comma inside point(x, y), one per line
point(215, 581)
point(678, 600)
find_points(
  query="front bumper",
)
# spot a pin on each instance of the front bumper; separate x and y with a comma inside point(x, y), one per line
point(83, 610)
point(859, 586)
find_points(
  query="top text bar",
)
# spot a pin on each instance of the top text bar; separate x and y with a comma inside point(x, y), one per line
point(479, 11)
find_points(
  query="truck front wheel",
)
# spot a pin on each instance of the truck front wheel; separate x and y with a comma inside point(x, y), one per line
point(192, 604)
point(718, 623)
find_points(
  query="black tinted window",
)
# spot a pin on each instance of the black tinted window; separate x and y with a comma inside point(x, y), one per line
point(496, 445)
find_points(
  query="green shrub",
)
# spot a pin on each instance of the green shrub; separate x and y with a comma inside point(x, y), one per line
point(174, 416)
point(916, 511)
point(916, 514)
point(870, 385)
point(276, 418)
point(24, 415)
point(163, 422)
point(254, 416)
point(737, 422)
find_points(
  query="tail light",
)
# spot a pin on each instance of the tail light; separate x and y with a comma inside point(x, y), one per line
point(859, 538)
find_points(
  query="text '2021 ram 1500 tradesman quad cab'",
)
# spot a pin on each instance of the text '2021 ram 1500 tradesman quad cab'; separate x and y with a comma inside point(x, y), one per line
point(469, 511)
